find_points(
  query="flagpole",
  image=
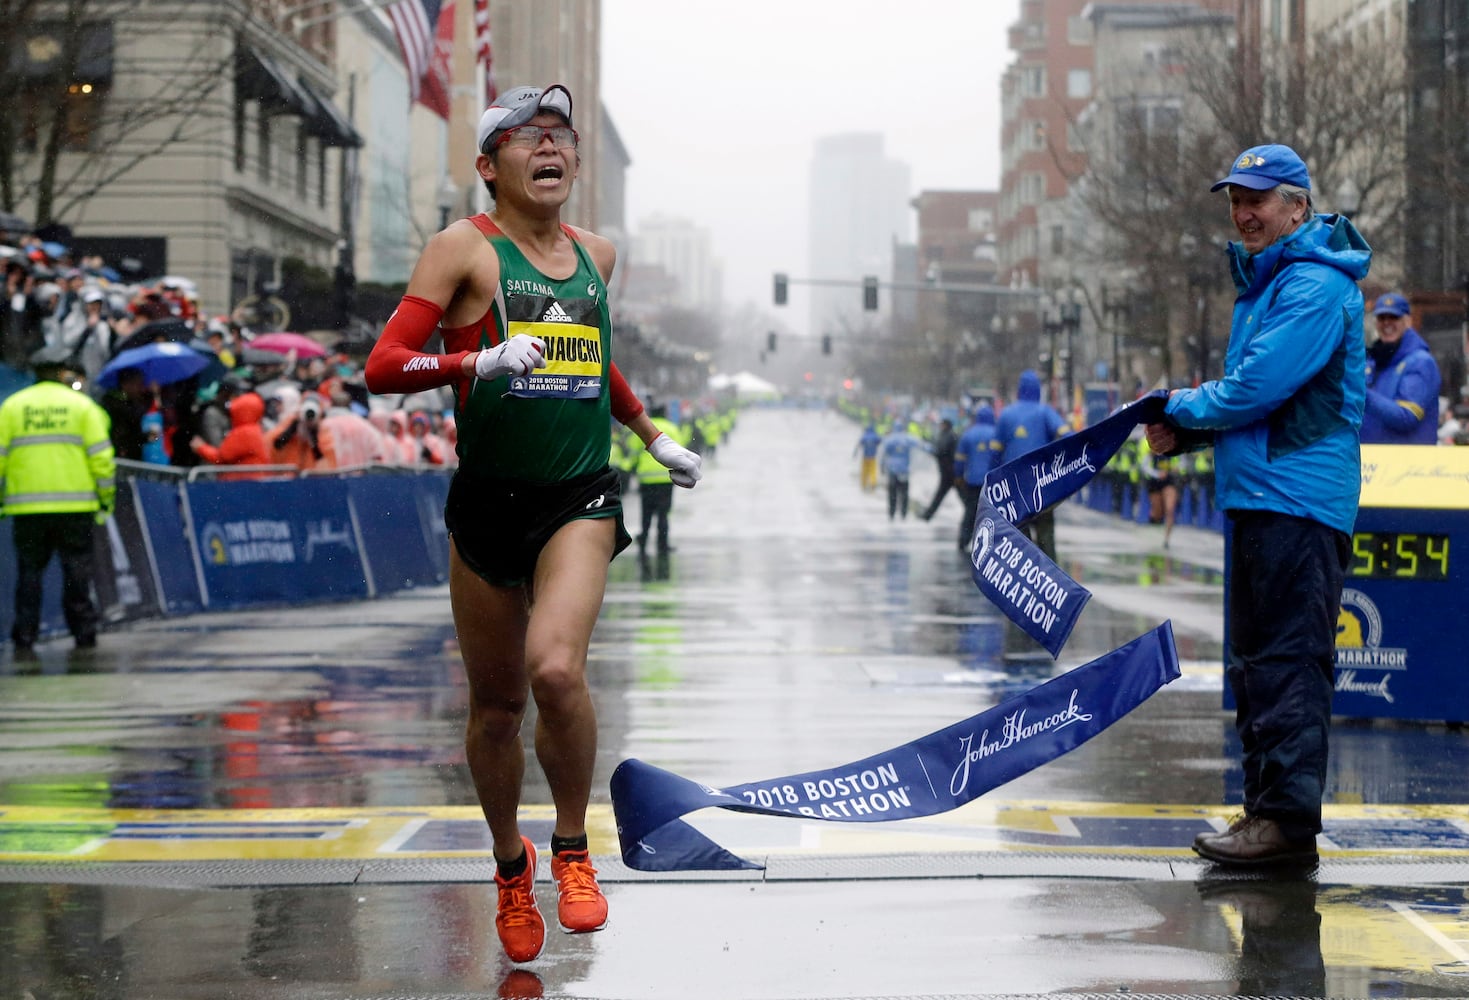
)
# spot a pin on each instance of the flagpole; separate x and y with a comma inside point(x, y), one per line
point(362, 7)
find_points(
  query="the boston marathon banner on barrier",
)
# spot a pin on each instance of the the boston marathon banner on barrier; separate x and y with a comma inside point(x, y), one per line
point(953, 766)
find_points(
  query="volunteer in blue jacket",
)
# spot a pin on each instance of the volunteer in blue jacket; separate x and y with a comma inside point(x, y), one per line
point(1402, 379)
point(1024, 426)
point(974, 456)
point(1284, 423)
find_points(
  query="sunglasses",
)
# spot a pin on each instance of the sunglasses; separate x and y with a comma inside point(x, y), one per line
point(530, 136)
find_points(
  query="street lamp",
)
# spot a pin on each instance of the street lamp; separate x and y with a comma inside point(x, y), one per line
point(1050, 325)
point(448, 193)
point(1070, 321)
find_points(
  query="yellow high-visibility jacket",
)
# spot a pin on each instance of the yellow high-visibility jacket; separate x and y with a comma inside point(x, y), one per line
point(55, 452)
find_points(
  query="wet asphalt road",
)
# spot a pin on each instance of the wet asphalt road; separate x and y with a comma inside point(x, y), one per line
point(795, 627)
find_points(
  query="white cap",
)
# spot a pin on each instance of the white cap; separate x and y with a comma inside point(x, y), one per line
point(517, 107)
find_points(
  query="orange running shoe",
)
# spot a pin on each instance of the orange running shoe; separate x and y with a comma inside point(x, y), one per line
point(517, 918)
point(580, 905)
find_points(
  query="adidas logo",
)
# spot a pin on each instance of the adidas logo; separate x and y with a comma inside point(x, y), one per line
point(555, 314)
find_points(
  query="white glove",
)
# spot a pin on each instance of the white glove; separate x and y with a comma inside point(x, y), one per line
point(682, 464)
point(520, 355)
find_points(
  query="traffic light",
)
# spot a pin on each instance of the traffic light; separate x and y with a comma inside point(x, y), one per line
point(780, 290)
point(770, 341)
point(826, 343)
point(869, 294)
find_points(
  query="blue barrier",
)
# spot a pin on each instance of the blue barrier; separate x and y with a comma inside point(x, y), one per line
point(177, 548)
point(170, 553)
point(269, 542)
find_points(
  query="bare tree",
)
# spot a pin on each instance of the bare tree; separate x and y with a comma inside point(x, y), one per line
point(53, 114)
point(1152, 154)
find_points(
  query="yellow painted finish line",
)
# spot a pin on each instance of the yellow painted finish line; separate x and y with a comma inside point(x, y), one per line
point(40, 833)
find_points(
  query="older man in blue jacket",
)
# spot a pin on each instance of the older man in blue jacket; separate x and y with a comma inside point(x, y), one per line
point(1402, 379)
point(1284, 422)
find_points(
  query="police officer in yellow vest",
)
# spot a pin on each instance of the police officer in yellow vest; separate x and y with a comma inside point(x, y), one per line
point(56, 478)
point(655, 487)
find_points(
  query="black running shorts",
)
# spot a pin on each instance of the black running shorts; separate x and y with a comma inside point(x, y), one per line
point(500, 526)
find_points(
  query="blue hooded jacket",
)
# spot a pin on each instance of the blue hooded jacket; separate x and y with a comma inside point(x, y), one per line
point(977, 449)
point(1027, 423)
point(1402, 396)
point(1287, 413)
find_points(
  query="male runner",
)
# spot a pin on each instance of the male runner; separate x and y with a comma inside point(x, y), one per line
point(534, 513)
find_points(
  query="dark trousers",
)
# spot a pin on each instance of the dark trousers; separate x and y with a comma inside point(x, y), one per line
point(970, 493)
point(654, 500)
point(897, 495)
point(1284, 597)
point(1041, 529)
point(37, 538)
point(946, 483)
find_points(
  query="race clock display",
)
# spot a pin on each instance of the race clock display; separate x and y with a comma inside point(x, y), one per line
point(1394, 555)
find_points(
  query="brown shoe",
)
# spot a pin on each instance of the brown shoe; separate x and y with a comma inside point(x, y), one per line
point(1258, 841)
point(1235, 823)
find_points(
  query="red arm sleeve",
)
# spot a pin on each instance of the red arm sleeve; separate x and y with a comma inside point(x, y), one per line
point(625, 406)
point(397, 362)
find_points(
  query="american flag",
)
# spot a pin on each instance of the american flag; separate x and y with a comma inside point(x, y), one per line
point(433, 91)
point(415, 23)
point(482, 53)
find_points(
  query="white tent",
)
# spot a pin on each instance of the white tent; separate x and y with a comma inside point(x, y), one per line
point(744, 383)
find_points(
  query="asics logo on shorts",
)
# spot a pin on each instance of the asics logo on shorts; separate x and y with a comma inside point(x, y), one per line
point(555, 314)
point(601, 498)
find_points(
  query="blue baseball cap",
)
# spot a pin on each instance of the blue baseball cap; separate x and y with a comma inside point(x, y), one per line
point(1261, 168)
point(1391, 304)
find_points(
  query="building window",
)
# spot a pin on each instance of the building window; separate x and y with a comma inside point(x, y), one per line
point(981, 220)
point(1058, 241)
point(1078, 31)
point(1033, 81)
point(263, 137)
point(1032, 188)
point(240, 133)
point(81, 108)
point(1079, 84)
point(321, 175)
point(1034, 135)
point(302, 155)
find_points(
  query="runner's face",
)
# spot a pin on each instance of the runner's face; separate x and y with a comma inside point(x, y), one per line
point(541, 175)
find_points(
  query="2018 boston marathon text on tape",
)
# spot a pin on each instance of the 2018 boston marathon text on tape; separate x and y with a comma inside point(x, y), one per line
point(952, 766)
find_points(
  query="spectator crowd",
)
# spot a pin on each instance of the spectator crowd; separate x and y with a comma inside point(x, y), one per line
point(307, 407)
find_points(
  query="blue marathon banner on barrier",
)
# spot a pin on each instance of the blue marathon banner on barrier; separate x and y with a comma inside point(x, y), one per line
point(276, 541)
point(957, 764)
point(1031, 590)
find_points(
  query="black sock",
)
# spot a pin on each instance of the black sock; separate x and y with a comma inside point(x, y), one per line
point(512, 869)
point(559, 844)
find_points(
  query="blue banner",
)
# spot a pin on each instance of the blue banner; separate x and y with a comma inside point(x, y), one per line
point(939, 772)
point(262, 542)
point(955, 765)
point(1031, 590)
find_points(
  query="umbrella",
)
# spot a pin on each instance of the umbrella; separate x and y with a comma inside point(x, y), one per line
point(170, 329)
point(12, 223)
point(214, 369)
point(161, 364)
point(255, 356)
point(284, 343)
